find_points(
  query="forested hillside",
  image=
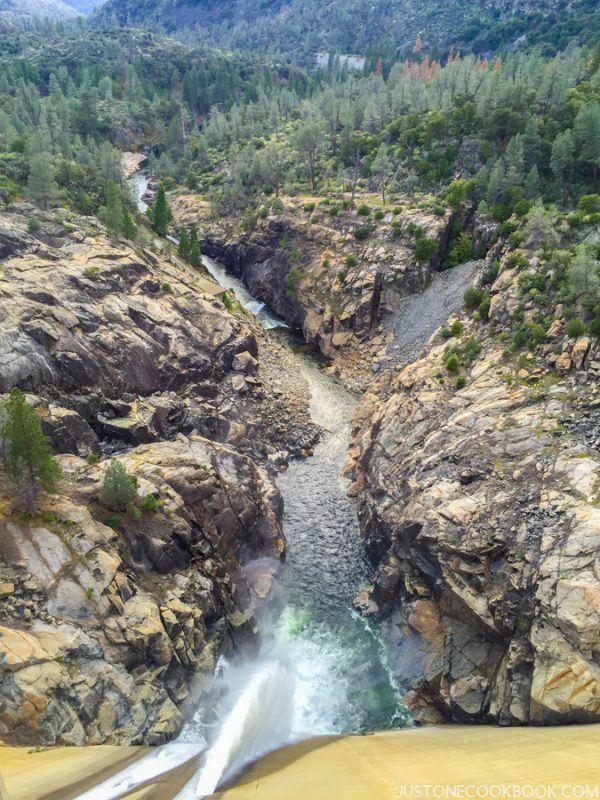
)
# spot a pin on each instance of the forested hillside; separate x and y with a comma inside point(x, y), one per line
point(388, 28)
point(53, 9)
point(71, 101)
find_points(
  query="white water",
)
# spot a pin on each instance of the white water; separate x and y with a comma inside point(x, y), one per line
point(138, 185)
point(265, 316)
point(321, 669)
point(259, 721)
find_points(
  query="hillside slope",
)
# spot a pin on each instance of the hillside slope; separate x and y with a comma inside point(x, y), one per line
point(302, 28)
point(54, 9)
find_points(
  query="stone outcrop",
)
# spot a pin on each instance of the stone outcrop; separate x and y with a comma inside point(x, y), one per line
point(120, 621)
point(307, 265)
point(479, 506)
point(124, 345)
point(108, 620)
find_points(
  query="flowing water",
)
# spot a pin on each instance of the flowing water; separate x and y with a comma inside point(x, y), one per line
point(138, 185)
point(321, 669)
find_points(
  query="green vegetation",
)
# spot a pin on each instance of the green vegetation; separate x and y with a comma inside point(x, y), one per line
point(461, 354)
point(149, 504)
point(160, 214)
point(118, 489)
point(26, 452)
point(574, 328)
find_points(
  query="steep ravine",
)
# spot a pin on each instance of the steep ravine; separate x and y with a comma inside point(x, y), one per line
point(332, 274)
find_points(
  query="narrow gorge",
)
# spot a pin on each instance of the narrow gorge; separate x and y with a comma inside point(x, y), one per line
point(299, 401)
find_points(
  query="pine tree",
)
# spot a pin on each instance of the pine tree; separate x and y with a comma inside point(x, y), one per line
point(584, 273)
point(308, 141)
point(183, 248)
point(561, 162)
point(128, 227)
point(119, 488)
point(195, 255)
point(41, 185)
point(587, 133)
point(381, 169)
point(27, 455)
point(161, 215)
point(533, 185)
point(113, 211)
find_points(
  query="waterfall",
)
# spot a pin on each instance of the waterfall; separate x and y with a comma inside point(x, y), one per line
point(321, 668)
point(259, 721)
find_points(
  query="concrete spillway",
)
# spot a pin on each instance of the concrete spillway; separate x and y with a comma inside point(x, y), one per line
point(560, 762)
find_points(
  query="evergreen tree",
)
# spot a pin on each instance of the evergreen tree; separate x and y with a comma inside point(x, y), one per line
point(540, 231)
point(183, 248)
point(381, 169)
point(532, 144)
point(195, 256)
point(27, 455)
point(308, 141)
point(587, 133)
point(561, 162)
point(161, 215)
point(533, 184)
point(41, 185)
point(113, 212)
point(119, 488)
point(128, 226)
point(584, 273)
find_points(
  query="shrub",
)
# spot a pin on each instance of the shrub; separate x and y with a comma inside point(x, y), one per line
point(472, 298)
point(460, 382)
point(33, 225)
point(351, 260)
point(425, 249)
point(363, 211)
point(397, 230)
point(470, 351)
point(341, 276)
point(292, 281)
point(415, 230)
point(574, 328)
point(483, 309)
point(452, 363)
point(326, 263)
point(93, 458)
point(362, 233)
point(309, 207)
point(460, 250)
point(529, 334)
point(594, 327)
point(589, 204)
point(149, 504)
point(397, 210)
point(334, 211)
point(454, 330)
point(379, 214)
point(91, 273)
point(119, 488)
point(490, 275)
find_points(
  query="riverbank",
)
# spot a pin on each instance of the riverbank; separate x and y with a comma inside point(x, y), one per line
point(381, 765)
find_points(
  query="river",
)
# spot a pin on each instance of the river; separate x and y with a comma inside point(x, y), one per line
point(321, 669)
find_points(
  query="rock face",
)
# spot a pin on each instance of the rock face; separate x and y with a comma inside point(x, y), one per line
point(107, 620)
point(122, 345)
point(480, 508)
point(307, 265)
point(123, 620)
